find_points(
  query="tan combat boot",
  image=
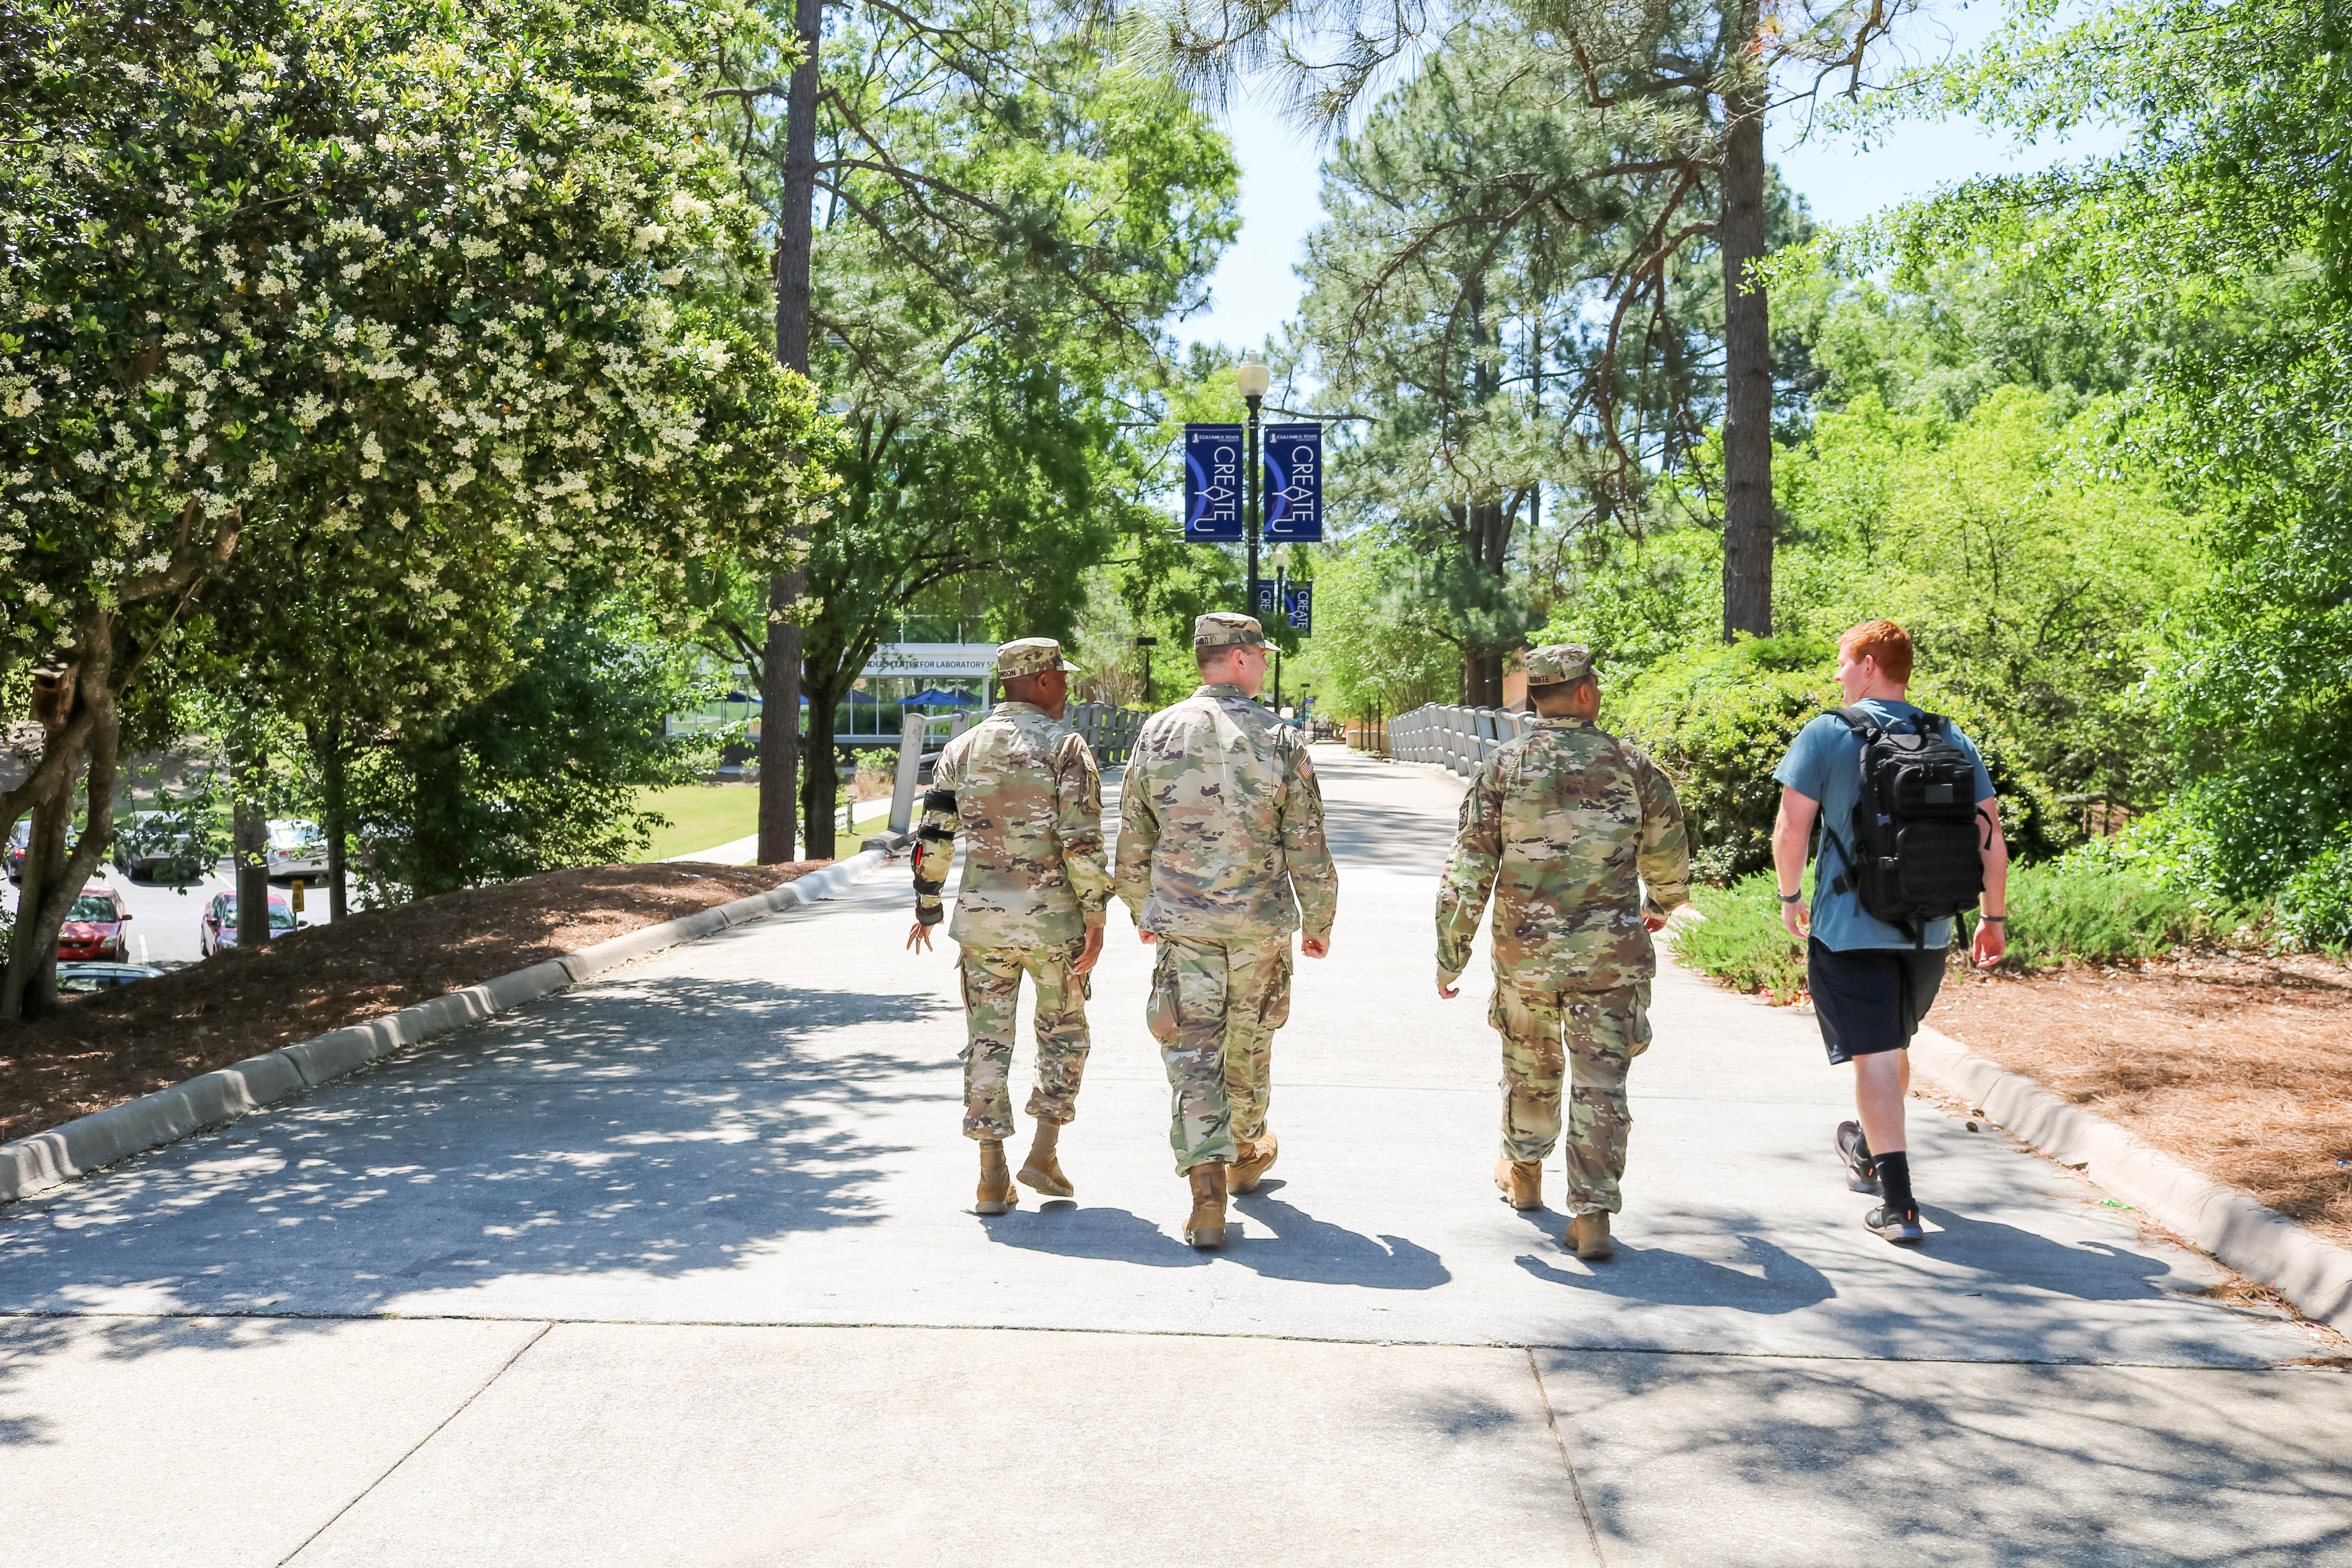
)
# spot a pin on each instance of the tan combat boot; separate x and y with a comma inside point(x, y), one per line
point(1256, 1157)
point(1041, 1170)
point(1588, 1233)
point(1206, 1227)
point(1521, 1181)
point(997, 1195)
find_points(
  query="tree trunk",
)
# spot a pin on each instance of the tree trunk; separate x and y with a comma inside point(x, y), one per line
point(1748, 358)
point(77, 716)
point(821, 790)
point(437, 845)
point(779, 683)
point(250, 848)
point(30, 990)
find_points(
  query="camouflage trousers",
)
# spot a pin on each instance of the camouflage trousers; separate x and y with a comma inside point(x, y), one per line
point(1214, 1008)
point(991, 1000)
point(1587, 1038)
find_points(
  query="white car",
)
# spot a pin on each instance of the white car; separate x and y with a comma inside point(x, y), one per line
point(297, 849)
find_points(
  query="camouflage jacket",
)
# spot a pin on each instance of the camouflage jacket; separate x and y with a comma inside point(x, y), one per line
point(1555, 824)
point(1220, 820)
point(1025, 790)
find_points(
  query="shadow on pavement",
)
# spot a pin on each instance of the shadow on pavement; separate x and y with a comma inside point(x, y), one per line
point(1277, 1240)
point(588, 1138)
point(1965, 1464)
point(1664, 1279)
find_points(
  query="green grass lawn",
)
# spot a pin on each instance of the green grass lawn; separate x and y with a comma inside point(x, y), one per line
point(707, 816)
point(703, 816)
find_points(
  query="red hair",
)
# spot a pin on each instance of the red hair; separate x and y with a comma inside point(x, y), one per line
point(1885, 641)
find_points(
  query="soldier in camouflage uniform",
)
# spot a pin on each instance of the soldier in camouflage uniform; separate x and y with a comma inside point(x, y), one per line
point(1556, 826)
point(1220, 822)
point(1025, 790)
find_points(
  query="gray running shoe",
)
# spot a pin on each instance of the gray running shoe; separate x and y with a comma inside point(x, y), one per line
point(1903, 1230)
point(1855, 1149)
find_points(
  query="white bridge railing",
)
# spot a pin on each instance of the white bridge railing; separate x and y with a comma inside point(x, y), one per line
point(1453, 737)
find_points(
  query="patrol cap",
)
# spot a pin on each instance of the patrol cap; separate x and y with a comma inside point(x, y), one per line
point(1225, 629)
point(1030, 656)
point(1558, 663)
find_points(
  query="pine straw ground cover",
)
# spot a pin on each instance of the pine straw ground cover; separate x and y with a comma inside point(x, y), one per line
point(101, 1049)
point(2239, 1066)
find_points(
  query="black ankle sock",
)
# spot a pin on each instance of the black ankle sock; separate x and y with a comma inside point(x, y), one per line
point(1894, 1180)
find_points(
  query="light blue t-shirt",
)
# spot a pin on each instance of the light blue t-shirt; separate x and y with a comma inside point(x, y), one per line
point(1825, 765)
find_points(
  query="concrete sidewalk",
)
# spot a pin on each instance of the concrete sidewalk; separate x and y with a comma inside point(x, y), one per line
point(680, 1266)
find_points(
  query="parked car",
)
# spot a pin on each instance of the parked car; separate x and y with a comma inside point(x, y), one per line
point(297, 849)
point(79, 979)
point(20, 844)
point(217, 929)
point(93, 928)
point(155, 846)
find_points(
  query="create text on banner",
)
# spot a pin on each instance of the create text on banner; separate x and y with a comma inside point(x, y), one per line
point(1294, 484)
point(1212, 484)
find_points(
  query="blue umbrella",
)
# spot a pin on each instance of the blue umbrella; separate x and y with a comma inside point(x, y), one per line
point(931, 696)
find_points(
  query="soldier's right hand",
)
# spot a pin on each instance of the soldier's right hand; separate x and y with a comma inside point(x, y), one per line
point(1448, 991)
point(919, 939)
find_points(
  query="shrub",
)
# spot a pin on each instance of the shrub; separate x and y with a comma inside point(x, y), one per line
point(1742, 942)
point(2089, 907)
point(2316, 906)
point(1719, 719)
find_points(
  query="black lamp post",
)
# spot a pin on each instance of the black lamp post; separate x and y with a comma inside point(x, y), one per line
point(1147, 645)
point(1253, 378)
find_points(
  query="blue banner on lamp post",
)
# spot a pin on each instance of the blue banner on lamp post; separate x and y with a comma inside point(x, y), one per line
point(1294, 484)
point(1300, 607)
point(1212, 484)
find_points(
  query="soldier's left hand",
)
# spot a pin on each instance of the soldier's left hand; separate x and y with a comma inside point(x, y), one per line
point(919, 939)
point(1653, 922)
point(1315, 946)
point(1091, 954)
point(1448, 991)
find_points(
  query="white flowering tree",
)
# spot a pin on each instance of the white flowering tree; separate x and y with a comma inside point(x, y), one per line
point(409, 289)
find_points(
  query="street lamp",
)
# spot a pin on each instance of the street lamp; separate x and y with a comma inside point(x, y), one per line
point(1253, 378)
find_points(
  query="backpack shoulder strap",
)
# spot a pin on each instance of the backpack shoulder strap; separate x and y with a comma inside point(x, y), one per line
point(1858, 719)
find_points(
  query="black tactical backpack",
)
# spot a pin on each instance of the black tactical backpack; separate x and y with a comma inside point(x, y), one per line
point(1914, 854)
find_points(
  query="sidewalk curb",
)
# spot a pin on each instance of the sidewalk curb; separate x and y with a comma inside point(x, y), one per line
point(44, 1160)
point(2257, 1241)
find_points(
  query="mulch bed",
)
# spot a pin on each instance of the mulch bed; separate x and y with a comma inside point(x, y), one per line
point(103, 1050)
point(2237, 1065)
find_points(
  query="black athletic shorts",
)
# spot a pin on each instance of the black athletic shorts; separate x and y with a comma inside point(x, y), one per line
point(1871, 999)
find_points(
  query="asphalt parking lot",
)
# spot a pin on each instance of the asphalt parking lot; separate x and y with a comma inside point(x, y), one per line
point(163, 918)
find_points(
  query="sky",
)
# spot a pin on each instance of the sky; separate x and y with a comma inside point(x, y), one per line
point(1255, 289)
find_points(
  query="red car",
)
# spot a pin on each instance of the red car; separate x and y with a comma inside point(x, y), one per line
point(217, 930)
point(93, 929)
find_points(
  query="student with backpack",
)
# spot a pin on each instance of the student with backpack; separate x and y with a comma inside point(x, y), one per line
point(1910, 837)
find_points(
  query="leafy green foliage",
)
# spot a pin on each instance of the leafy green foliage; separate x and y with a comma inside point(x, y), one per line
point(544, 773)
point(2036, 573)
point(2091, 909)
point(2082, 908)
point(2216, 232)
point(1718, 719)
point(1741, 941)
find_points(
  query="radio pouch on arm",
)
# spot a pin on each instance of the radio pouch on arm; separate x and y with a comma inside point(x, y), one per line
point(1913, 856)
